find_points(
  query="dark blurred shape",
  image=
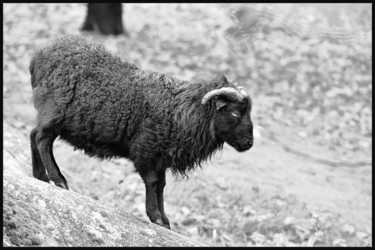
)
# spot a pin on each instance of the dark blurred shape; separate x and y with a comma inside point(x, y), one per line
point(105, 18)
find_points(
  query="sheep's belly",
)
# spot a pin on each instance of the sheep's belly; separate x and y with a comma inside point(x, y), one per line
point(98, 149)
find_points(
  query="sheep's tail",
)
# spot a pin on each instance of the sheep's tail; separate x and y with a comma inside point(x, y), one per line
point(34, 84)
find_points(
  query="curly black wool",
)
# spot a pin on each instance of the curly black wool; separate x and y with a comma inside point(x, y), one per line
point(109, 107)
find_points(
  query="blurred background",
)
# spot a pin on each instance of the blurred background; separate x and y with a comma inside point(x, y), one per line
point(308, 68)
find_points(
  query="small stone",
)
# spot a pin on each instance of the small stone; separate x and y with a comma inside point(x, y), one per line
point(250, 226)
point(124, 235)
point(104, 213)
point(339, 243)
point(248, 210)
point(14, 239)
point(362, 235)
point(97, 239)
point(19, 124)
point(350, 229)
point(23, 234)
point(27, 242)
point(185, 211)
point(289, 220)
point(12, 224)
point(91, 234)
point(35, 240)
point(42, 204)
point(221, 183)
point(95, 197)
point(255, 188)
point(364, 144)
point(143, 232)
point(193, 231)
point(189, 221)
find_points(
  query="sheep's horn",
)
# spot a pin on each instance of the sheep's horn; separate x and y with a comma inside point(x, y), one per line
point(235, 94)
point(243, 92)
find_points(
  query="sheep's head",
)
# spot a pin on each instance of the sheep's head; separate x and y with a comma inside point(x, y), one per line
point(232, 122)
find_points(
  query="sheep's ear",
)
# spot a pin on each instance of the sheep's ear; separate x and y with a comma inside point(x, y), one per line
point(220, 103)
point(222, 78)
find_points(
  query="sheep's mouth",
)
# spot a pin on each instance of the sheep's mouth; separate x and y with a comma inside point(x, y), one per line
point(243, 147)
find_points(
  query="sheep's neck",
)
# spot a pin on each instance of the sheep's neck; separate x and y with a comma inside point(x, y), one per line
point(193, 137)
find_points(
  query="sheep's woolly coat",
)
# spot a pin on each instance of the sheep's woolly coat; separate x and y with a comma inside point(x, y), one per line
point(109, 107)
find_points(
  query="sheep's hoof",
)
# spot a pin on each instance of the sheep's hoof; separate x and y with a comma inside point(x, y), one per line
point(166, 223)
point(42, 177)
point(161, 223)
point(62, 185)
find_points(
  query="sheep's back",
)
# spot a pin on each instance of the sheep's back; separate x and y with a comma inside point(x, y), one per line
point(102, 99)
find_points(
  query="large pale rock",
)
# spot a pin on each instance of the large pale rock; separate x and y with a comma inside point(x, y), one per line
point(41, 214)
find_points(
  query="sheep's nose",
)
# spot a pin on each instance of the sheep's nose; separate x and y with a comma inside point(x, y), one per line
point(250, 142)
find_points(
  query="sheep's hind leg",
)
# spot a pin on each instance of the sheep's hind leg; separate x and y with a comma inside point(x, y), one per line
point(39, 171)
point(152, 209)
point(44, 140)
point(159, 193)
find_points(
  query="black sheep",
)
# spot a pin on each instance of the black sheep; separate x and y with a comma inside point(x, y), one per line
point(108, 107)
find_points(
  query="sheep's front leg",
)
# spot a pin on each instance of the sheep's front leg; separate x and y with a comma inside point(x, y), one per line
point(152, 209)
point(159, 193)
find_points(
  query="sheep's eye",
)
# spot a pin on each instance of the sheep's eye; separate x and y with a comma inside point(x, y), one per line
point(235, 114)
